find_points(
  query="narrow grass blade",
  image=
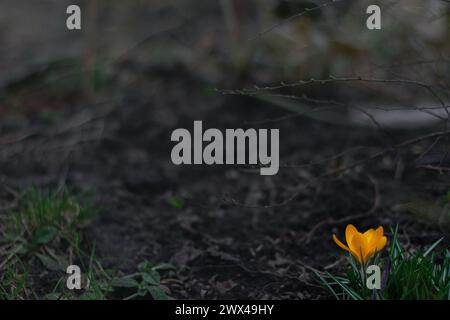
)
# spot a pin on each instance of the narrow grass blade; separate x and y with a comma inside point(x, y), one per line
point(326, 284)
point(431, 248)
point(349, 291)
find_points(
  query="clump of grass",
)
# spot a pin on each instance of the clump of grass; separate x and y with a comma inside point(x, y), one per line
point(424, 274)
point(96, 282)
point(15, 282)
point(418, 275)
point(43, 216)
point(42, 236)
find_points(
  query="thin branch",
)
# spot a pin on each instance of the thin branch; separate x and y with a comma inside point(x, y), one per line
point(296, 16)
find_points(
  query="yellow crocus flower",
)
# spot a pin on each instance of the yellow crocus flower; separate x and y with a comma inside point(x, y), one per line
point(362, 246)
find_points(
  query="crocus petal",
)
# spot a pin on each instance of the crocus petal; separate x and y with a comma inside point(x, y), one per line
point(350, 231)
point(340, 244)
point(376, 243)
point(369, 254)
point(358, 247)
point(369, 234)
point(376, 237)
point(381, 244)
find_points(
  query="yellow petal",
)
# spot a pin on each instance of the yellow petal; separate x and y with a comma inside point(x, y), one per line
point(376, 237)
point(382, 243)
point(350, 231)
point(340, 244)
point(369, 254)
point(368, 234)
point(359, 247)
point(375, 247)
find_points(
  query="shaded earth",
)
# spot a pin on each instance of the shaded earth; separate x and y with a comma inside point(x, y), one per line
point(230, 232)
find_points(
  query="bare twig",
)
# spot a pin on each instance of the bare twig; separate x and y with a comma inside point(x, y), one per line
point(376, 203)
point(296, 16)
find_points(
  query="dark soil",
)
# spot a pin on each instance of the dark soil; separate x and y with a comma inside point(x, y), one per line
point(237, 234)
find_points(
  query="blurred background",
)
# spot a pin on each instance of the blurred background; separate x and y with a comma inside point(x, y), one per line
point(250, 42)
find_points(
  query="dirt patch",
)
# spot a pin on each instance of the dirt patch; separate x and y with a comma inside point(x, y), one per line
point(235, 234)
point(230, 232)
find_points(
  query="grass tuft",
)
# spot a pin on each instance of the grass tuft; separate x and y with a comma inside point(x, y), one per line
point(423, 274)
point(42, 216)
point(42, 236)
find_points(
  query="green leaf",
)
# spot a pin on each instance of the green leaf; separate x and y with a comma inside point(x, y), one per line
point(44, 235)
point(175, 202)
point(151, 278)
point(354, 295)
point(145, 266)
point(164, 266)
point(326, 284)
point(125, 282)
point(51, 263)
point(431, 248)
point(157, 293)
